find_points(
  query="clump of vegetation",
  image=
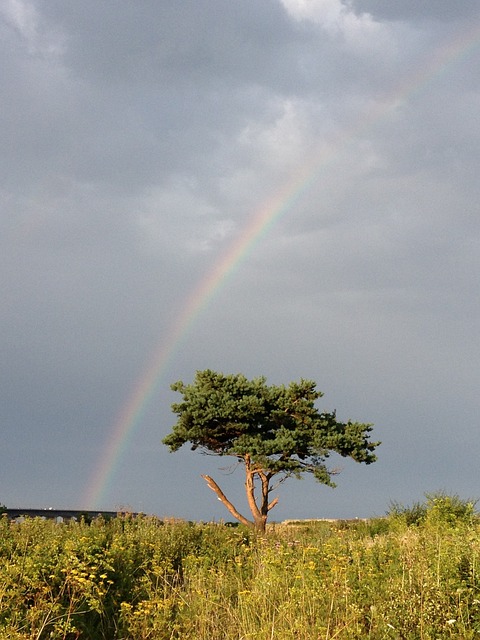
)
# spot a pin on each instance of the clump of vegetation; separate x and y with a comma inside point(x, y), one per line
point(413, 514)
point(449, 510)
point(136, 578)
point(438, 509)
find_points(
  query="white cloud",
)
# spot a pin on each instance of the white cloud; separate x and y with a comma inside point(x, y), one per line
point(280, 143)
point(23, 17)
point(360, 32)
point(176, 215)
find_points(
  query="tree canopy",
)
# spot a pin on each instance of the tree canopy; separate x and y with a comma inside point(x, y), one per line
point(275, 431)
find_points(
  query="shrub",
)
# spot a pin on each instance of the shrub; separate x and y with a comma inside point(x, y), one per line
point(411, 515)
point(438, 509)
point(449, 510)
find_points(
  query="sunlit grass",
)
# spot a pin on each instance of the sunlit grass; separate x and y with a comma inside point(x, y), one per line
point(136, 578)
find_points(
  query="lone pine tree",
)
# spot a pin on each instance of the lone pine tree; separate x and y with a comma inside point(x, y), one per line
point(276, 432)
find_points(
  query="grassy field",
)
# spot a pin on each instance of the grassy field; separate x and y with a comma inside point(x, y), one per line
point(413, 574)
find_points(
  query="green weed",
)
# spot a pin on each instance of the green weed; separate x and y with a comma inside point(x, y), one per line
point(138, 578)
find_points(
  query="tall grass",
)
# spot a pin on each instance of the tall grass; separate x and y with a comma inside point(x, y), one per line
point(138, 578)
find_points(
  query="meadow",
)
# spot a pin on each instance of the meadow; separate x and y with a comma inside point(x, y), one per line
point(413, 574)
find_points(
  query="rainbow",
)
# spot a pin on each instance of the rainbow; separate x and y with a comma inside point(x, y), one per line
point(258, 226)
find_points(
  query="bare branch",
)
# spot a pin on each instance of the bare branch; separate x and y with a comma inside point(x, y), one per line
point(272, 504)
point(280, 481)
point(335, 471)
point(221, 496)
point(232, 467)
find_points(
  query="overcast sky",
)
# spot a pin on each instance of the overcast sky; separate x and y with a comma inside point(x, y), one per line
point(139, 141)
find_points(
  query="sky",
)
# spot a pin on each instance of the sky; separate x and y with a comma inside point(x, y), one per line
point(286, 188)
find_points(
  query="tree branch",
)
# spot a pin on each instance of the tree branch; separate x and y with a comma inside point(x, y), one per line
point(272, 503)
point(221, 496)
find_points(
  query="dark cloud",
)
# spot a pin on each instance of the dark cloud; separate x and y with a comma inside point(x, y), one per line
point(139, 141)
point(187, 44)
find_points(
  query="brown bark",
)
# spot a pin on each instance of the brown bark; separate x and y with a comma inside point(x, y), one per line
point(258, 517)
point(265, 479)
point(259, 513)
point(221, 496)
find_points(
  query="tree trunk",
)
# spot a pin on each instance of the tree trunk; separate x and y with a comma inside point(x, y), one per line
point(259, 513)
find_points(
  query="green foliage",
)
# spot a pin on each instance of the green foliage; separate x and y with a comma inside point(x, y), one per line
point(443, 509)
point(271, 429)
point(79, 580)
point(439, 509)
point(413, 514)
point(139, 578)
point(278, 427)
